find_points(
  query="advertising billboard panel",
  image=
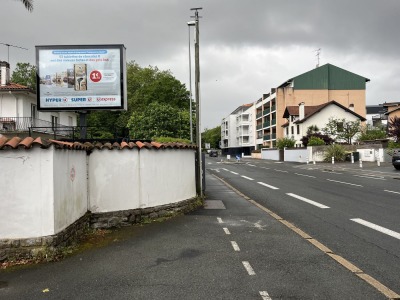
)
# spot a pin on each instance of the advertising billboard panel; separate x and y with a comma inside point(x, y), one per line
point(88, 77)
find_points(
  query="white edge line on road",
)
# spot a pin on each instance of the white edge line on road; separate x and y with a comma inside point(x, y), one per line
point(220, 220)
point(248, 268)
point(345, 182)
point(264, 295)
point(248, 178)
point(235, 246)
point(377, 228)
point(305, 175)
point(370, 177)
point(226, 230)
point(269, 186)
point(234, 173)
point(392, 192)
point(307, 200)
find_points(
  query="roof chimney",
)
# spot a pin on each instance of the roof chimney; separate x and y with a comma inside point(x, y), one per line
point(4, 73)
point(351, 106)
point(301, 110)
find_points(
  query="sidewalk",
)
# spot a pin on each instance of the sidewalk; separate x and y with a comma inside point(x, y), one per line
point(231, 249)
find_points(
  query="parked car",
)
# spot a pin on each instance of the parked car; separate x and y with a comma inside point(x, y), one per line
point(213, 153)
point(396, 159)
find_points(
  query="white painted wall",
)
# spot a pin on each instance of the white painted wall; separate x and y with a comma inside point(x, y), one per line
point(26, 198)
point(166, 176)
point(46, 190)
point(296, 155)
point(114, 180)
point(70, 187)
point(270, 154)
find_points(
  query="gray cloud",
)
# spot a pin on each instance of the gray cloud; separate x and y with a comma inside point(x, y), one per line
point(246, 47)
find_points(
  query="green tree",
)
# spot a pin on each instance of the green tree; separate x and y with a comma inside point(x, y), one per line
point(369, 133)
point(342, 130)
point(25, 74)
point(394, 128)
point(212, 136)
point(146, 86)
point(285, 143)
point(159, 120)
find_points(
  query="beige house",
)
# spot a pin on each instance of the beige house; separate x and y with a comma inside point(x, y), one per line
point(318, 86)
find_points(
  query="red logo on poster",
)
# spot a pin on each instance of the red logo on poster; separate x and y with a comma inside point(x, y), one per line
point(95, 76)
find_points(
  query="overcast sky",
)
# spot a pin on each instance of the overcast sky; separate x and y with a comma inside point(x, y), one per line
point(246, 47)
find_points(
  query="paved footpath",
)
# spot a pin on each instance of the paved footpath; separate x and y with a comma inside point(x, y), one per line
point(231, 249)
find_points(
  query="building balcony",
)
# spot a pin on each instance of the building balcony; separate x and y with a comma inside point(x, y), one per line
point(260, 126)
point(266, 124)
point(259, 115)
point(273, 108)
point(267, 137)
point(273, 122)
point(266, 111)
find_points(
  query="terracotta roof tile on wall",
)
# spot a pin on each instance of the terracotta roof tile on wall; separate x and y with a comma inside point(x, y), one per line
point(29, 142)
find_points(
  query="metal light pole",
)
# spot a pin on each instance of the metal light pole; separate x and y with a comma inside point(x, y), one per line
point(199, 185)
point(191, 23)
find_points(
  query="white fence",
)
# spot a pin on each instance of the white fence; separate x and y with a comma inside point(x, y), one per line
point(46, 190)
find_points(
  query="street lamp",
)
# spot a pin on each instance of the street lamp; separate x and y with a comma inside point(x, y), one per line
point(199, 171)
point(190, 23)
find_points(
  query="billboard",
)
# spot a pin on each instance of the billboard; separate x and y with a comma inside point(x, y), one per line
point(88, 77)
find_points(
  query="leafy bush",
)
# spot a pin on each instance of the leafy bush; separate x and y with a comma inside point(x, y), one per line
point(285, 143)
point(315, 141)
point(326, 138)
point(163, 139)
point(336, 151)
point(393, 145)
point(369, 134)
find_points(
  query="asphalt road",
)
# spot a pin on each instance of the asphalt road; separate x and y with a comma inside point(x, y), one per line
point(353, 211)
point(232, 248)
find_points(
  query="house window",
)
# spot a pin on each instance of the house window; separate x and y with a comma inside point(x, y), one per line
point(287, 130)
point(70, 123)
point(339, 126)
point(54, 122)
point(292, 129)
point(298, 129)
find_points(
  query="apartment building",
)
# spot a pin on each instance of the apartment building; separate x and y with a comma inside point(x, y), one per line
point(237, 131)
point(315, 87)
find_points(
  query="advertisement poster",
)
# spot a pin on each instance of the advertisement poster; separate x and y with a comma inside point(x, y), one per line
point(81, 77)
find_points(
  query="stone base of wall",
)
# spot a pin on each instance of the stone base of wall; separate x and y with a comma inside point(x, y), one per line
point(140, 215)
point(51, 246)
point(41, 247)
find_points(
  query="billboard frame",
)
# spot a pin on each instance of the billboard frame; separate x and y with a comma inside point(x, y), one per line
point(122, 75)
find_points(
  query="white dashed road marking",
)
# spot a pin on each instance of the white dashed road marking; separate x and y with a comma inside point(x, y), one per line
point(248, 268)
point(234, 173)
point(226, 230)
point(307, 200)
point(377, 228)
point(392, 192)
point(345, 182)
point(248, 178)
point(370, 177)
point(220, 220)
point(265, 296)
point(235, 246)
point(281, 171)
point(268, 186)
point(305, 175)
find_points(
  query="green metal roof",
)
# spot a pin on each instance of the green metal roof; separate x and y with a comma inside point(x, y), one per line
point(328, 77)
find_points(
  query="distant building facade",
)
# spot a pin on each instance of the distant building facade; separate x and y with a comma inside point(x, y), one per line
point(237, 131)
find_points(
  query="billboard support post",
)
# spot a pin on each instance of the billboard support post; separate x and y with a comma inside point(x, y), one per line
point(83, 124)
